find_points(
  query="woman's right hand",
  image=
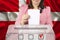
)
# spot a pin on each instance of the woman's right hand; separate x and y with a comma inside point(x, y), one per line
point(24, 19)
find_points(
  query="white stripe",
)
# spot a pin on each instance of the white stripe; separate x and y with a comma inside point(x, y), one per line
point(55, 16)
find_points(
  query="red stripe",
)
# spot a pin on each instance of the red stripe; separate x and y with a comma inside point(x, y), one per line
point(11, 5)
point(54, 4)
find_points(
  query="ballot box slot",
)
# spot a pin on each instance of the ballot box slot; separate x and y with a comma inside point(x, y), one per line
point(17, 28)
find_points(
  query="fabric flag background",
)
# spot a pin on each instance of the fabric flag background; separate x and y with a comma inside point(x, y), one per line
point(10, 8)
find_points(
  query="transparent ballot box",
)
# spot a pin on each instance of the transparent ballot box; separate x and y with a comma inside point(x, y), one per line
point(30, 32)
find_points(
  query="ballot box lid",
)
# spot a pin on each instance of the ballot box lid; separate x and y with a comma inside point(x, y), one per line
point(31, 28)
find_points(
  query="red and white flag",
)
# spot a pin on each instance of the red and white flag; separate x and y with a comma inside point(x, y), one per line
point(9, 9)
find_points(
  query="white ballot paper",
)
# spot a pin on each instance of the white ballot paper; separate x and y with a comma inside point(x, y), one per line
point(34, 16)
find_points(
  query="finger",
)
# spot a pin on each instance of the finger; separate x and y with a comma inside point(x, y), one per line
point(26, 17)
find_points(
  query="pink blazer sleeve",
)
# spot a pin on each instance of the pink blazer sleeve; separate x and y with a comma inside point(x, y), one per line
point(49, 17)
point(23, 10)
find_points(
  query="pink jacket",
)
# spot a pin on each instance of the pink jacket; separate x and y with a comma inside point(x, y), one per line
point(45, 17)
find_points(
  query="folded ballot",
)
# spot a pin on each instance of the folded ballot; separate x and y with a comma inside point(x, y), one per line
point(34, 16)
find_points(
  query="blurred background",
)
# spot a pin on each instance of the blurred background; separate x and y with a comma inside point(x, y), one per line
point(9, 10)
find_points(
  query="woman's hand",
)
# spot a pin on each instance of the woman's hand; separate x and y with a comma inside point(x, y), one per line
point(24, 19)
